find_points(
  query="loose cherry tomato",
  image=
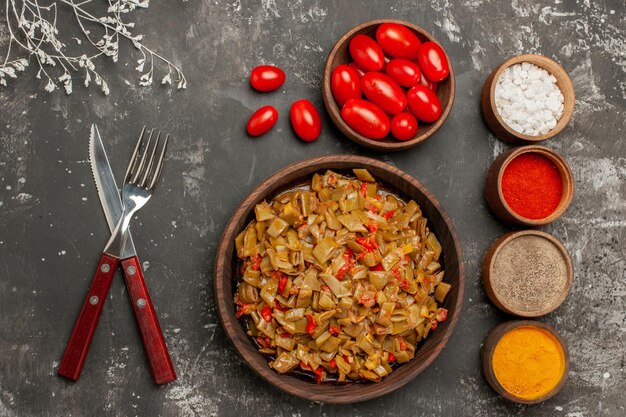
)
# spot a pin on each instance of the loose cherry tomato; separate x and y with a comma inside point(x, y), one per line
point(366, 53)
point(424, 104)
point(262, 121)
point(381, 90)
point(428, 84)
point(397, 40)
point(366, 118)
point(345, 84)
point(266, 78)
point(404, 126)
point(404, 72)
point(432, 60)
point(305, 120)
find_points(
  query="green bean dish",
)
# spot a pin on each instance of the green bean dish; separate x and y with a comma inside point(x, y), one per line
point(340, 280)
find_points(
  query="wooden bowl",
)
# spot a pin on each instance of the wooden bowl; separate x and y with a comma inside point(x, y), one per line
point(487, 268)
point(497, 124)
point(493, 186)
point(341, 55)
point(392, 179)
point(489, 346)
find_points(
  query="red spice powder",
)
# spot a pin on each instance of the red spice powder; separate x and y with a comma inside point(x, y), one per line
point(532, 186)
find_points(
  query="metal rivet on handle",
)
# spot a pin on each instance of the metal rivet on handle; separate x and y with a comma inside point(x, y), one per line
point(93, 300)
point(105, 268)
point(131, 270)
point(141, 303)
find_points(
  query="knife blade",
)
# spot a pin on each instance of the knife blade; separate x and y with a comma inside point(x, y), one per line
point(106, 185)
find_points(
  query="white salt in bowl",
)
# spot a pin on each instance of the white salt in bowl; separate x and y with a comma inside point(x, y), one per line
point(495, 121)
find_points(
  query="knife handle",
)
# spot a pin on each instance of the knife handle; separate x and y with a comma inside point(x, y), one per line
point(85, 327)
point(158, 355)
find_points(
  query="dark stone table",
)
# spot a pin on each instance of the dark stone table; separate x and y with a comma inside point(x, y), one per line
point(52, 227)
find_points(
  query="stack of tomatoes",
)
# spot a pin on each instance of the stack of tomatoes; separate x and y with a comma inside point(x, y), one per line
point(397, 75)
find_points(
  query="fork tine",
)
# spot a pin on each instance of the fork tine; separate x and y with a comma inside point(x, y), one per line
point(133, 158)
point(159, 166)
point(137, 173)
point(151, 161)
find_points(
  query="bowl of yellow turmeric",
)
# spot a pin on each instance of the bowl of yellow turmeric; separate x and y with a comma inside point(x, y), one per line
point(525, 361)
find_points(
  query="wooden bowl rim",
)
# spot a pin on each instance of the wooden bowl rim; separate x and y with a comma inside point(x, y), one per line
point(566, 176)
point(289, 384)
point(492, 339)
point(388, 143)
point(564, 82)
point(493, 253)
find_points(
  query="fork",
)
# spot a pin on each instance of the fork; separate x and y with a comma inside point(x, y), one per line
point(141, 177)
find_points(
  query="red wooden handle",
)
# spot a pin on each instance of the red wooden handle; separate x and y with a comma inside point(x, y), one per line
point(78, 346)
point(158, 356)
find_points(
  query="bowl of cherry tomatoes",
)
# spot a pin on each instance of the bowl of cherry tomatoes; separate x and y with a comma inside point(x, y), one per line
point(388, 85)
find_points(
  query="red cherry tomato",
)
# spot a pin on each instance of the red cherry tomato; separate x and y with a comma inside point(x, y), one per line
point(404, 126)
point(381, 90)
point(432, 60)
point(262, 121)
point(266, 78)
point(345, 83)
point(404, 72)
point(424, 104)
point(366, 118)
point(428, 84)
point(366, 53)
point(397, 40)
point(305, 120)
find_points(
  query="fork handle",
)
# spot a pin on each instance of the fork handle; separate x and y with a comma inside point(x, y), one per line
point(151, 335)
point(85, 327)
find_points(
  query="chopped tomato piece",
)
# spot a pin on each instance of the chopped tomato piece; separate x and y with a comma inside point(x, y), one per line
point(347, 265)
point(378, 267)
point(319, 374)
point(256, 262)
point(396, 273)
point(306, 366)
point(389, 214)
point(282, 283)
point(373, 226)
point(368, 299)
point(245, 309)
point(392, 358)
point(442, 314)
point(366, 243)
point(363, 190)
point(402, 343)
point(334, 330)
point(264, 342)
point(266, 313)
point(332, 363)
point(433, 326)
point(310, 327)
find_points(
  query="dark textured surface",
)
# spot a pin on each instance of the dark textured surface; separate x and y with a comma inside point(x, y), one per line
point(52, 227)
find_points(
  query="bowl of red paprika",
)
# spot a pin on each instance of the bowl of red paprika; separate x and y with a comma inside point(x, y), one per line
point(529, 186)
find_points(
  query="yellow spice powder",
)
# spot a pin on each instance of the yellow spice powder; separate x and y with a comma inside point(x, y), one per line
point(528, 362)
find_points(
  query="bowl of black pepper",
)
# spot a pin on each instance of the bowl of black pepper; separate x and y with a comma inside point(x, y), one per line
point(527, 273)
